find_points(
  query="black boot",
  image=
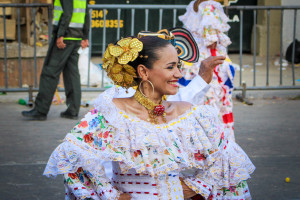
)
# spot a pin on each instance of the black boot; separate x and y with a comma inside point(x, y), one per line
point(34, 114)
point(68, 115)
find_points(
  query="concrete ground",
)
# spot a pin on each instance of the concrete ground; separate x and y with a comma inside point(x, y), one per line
point(268, 131)
point(247, 71)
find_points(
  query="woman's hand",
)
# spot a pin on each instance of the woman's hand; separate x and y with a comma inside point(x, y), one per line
point(208, 65)
point(187, 192)
point(124, 196)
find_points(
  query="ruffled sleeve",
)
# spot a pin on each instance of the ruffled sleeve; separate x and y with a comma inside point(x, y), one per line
point(190, 19)
point(76, 158)
point(213, 24)
point(210, 23)
point(229, 164)
point(82, 184)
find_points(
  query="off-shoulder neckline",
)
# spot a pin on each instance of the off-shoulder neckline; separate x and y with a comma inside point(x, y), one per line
point(133, 118)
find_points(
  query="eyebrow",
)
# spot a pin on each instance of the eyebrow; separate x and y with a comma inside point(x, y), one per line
point(171, 63)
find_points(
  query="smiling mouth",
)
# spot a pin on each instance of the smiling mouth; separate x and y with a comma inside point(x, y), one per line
point(174, 83)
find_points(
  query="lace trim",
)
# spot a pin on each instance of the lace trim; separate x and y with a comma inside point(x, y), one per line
point(199, 187)
point(80, 191)
point(237, 192)
point(107, 195)
point(73, 154)
point(229, 169)
point(245, 196)
point(211, 193)
point(218, 21)
point(133, 131)
point(112, 113)
point(196, 21)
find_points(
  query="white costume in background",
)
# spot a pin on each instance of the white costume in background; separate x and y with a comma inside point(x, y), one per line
point(208, 26)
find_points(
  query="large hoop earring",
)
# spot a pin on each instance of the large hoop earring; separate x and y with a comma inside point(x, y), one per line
point(139, 88)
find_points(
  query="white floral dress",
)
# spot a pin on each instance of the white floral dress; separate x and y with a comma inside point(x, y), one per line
point(208, 26)
point(148, 159)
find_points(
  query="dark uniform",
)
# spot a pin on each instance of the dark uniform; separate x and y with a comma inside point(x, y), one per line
point(62, 60)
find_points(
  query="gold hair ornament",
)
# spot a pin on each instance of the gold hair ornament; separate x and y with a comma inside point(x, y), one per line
point(116, 58)
point(142, 56)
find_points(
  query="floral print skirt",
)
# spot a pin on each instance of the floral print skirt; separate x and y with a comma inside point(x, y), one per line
point(238, 192)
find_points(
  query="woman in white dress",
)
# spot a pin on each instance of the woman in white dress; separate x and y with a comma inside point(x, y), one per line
point(159, 149)
point(208, 24)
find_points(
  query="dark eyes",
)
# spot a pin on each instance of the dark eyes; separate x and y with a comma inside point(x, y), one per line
point(179, 65)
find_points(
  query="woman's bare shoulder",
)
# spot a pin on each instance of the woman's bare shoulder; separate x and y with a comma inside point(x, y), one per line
point(121, 102)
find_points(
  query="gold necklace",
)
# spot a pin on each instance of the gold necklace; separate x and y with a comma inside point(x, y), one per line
point(154, 110)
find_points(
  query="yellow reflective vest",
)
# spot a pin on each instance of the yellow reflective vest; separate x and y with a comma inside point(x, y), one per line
point(78, 16)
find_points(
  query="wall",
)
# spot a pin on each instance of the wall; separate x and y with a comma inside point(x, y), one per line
point(288, 25)
point(275, 20)
point(261, 28)
point(13, 72)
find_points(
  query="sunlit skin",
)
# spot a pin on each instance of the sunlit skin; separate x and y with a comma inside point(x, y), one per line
point(164, 76)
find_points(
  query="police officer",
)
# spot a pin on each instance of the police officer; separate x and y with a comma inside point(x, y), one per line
point(70, 31)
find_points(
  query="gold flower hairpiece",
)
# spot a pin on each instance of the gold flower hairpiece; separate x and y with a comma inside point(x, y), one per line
point(116, 58)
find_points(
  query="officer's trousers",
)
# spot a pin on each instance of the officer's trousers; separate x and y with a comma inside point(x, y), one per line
point(57, 61)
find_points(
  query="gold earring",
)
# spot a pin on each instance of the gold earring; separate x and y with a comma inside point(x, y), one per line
point(139, 88)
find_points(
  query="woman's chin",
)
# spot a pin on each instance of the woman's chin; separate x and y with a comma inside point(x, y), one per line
point(172, 92)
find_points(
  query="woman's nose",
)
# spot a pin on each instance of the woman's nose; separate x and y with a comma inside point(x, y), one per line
point(178, 73)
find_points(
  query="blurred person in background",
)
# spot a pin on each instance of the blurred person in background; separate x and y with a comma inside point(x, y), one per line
point(71, 25)
point(207, 23)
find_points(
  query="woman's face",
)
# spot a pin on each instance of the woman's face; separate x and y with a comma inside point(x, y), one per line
point(165, 73)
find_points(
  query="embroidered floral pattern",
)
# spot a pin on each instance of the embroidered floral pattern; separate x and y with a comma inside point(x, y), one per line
point(83, 124)
point(191, 140)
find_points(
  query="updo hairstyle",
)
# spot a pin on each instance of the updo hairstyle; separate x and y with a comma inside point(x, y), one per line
point(151, 45)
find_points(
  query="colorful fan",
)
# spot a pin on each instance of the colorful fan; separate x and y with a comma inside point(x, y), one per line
point(186, 45)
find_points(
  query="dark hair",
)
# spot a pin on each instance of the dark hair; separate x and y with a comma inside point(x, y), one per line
point(151, 44)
